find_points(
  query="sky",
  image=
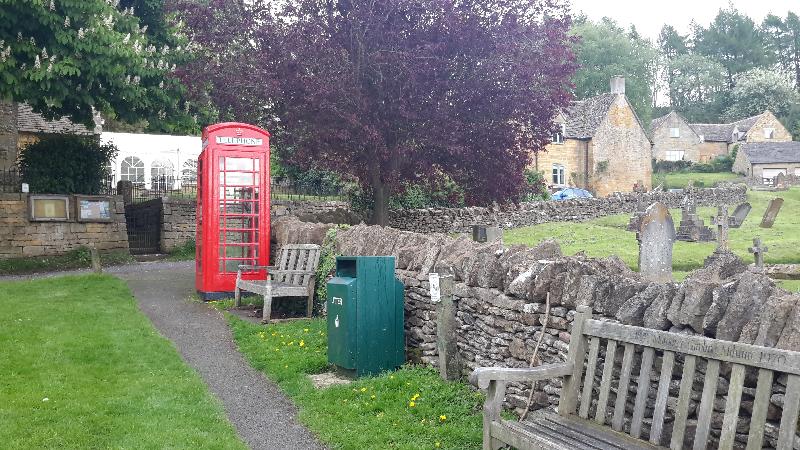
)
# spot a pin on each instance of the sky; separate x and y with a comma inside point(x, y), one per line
point(649, 16)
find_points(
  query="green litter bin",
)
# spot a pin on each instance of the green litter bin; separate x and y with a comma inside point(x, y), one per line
point(365, 316)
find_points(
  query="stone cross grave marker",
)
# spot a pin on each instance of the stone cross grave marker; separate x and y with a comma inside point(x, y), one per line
point(739, 214)
point(771, 213)
point(722, 221)
point(692, 228)
point(656, 238)
point(758, 252)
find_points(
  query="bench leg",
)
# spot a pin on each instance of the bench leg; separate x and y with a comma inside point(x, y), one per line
point(237, 293)
point(267, 304)
point(310, 305)
point(491, 413)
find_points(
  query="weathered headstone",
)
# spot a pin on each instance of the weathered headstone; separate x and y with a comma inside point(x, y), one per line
point(722, 221)
point(758, 252)
point(482, 233)
point(95, 256)
point(441, 287)
point(773, 208)
point(656, 238)
point(739, 215)
point(781, 182)
point(636, 218)
point(692, 228)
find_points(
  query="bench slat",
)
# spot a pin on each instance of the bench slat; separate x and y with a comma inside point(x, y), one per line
point(642, 390)
point(567, 404)
point(732, 408)
point(682, 408)
point(791, 407)
point(667, 363)
point(733, 352)
point(755, 439)
point(706, 407)
point(622, 388)
point(605, 383)
point(588, 381)
point(597, 434)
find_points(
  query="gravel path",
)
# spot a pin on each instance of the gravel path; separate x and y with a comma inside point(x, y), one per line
point(264, 418)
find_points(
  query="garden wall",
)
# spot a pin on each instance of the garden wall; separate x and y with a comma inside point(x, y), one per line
point(460, 220)
point(19, 237)
point(500, 296)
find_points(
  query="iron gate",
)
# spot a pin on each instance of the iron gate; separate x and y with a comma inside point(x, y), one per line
point(144, 227)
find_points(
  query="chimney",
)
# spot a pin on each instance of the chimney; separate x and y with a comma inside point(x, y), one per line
point(618, 85)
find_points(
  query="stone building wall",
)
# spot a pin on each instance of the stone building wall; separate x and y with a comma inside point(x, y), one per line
point(8, 134)
point(460, 220)
point(687, 140)
point(768, 120)
point(19, 237)
point(500, 296)
point(620, 152)
point(571, 154)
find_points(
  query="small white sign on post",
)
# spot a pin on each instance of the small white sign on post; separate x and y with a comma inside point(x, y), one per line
point(436, 290)
point(25, 188)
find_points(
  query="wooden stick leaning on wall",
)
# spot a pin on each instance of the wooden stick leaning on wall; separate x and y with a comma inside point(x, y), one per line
point(536, 352)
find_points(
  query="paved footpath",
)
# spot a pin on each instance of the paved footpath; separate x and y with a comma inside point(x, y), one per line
point(264, 418)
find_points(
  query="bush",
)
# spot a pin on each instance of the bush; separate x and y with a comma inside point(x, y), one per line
point(671, 166)
point(66, 164)
point(536, 187)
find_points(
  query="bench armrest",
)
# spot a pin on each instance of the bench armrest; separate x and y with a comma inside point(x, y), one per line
point(293, 272)
point(482, 376)
point(256, 267)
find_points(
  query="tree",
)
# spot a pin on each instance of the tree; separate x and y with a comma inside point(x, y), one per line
point(671, 44)
point(66, 164)
point(733, 40)
point(72, 58)
point(605, 50)
point(394, 91)
point(758, 90)
point(783, 39)
point(697, 87)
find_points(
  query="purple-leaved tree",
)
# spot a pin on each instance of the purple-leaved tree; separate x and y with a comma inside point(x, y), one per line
point(392, 91)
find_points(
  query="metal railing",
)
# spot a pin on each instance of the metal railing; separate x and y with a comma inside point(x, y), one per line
point(10, 181)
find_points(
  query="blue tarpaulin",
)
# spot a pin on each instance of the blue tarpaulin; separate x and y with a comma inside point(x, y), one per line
point(566, 194)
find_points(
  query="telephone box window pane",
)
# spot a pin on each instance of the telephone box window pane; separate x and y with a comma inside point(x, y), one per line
point(240, 163)
point(240, 178)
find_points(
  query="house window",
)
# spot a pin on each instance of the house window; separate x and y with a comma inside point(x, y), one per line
point(161, 177)
point(558, 174)
point(768, 132)
point(675, 155)
point(674, 132)
point(558, 135)
point(132, 169)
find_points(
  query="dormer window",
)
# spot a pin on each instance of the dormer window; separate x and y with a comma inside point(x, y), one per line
point(768, 133)
point(674, 132)
point(558, 135)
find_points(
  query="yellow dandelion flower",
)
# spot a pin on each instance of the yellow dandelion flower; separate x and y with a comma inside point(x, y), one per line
point(290, 343)
point(416, 396)
point(411, 404)
point(437, 444)
point(302, 343)
point(442, 418)
point(305, 330)
point(372, 397)
point(286, 366)
point(391, 377)
point(363, 389)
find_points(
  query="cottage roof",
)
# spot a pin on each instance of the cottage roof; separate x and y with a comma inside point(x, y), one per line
point(714, 132)
point(31, 122)
point(772, 152)
point(583, 117)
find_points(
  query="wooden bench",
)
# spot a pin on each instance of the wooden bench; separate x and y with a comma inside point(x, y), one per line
point(592, 412)
point(293, 276)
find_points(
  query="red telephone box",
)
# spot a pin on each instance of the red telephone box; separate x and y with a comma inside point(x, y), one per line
point(232, 206)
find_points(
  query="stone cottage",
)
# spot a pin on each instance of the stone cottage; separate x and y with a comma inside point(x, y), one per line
point(20, 126)
point(601, 146)
point(675, 139)
point(765, 160)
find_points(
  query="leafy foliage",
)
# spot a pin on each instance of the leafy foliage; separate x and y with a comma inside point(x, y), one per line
point(605, 50)
point(392, 91)
point(758, 90)
point(66, 164)
point(74, 57)
point(536, 187)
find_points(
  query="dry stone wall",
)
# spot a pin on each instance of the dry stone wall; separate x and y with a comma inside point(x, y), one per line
point(460, 220)
point(19, 237)
point(500, 296)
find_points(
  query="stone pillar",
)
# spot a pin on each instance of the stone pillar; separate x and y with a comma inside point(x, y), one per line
point(125, 189)
point(9, 134)
point(447, 328)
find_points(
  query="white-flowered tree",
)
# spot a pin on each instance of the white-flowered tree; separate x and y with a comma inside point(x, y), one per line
point(74, 57)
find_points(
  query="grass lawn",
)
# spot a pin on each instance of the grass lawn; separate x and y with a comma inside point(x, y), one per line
point(411, 408)
point(679, 180)
point(607, 236)
point(81, 367)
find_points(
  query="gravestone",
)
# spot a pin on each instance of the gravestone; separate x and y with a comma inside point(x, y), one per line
point(771, 213)
point(656, 238)
point(739, 215)
point(441, 289)
point(781, 182)
point(692, 228)
point(758, 252)
point(482, 233)
point(722, 222)
point(636, 218)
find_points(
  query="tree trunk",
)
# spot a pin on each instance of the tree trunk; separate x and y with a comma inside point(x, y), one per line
point(380, 208)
